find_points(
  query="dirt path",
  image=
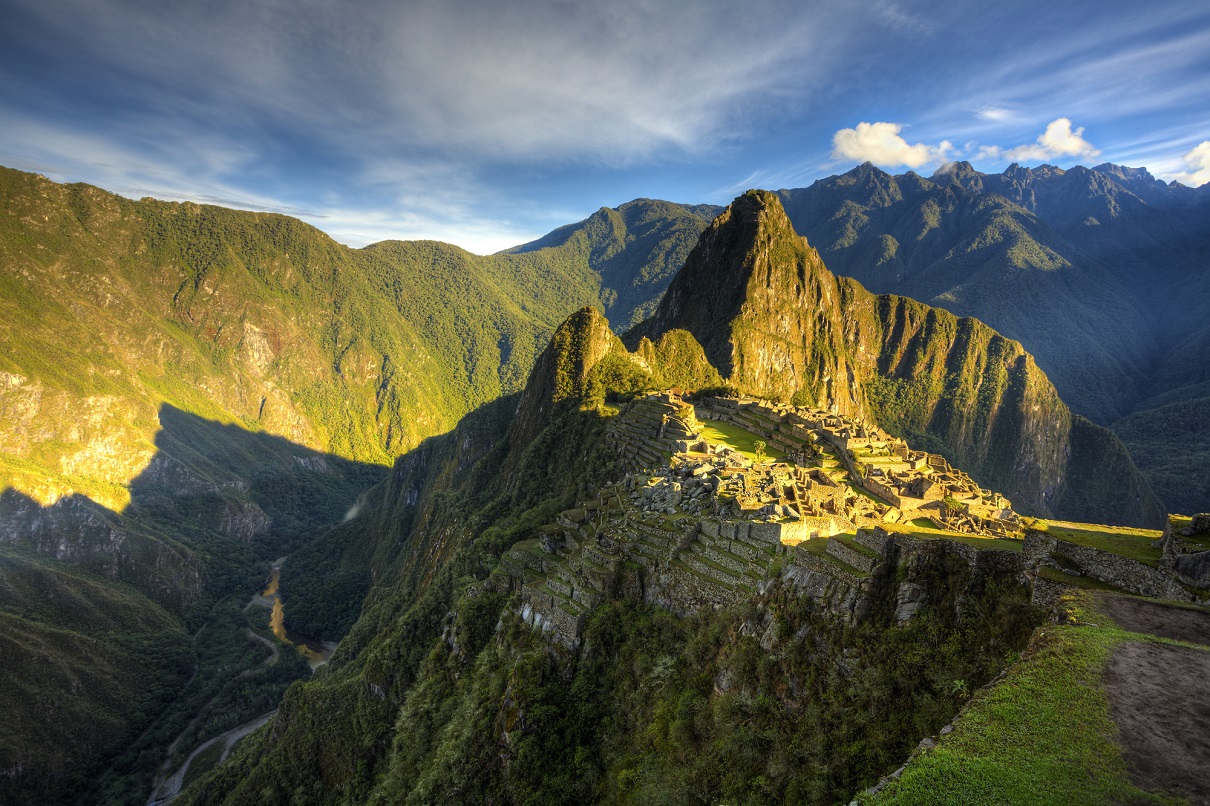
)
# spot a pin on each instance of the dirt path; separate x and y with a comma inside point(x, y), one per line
point(172, 786)
point(1158, 697)
point(1157, 618)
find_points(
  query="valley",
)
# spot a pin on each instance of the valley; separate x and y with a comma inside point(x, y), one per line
point(754, 546)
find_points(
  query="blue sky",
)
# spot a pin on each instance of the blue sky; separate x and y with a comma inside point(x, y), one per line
point(487, 124)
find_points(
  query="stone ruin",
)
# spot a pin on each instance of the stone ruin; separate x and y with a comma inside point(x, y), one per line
point(696, 525)
point(1185, 549)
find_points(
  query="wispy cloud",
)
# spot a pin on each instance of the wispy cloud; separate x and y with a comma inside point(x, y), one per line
point(472, 121)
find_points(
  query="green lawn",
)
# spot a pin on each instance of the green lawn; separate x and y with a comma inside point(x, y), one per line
point(1127, 541)
point(1043, 735)
point(742, 440)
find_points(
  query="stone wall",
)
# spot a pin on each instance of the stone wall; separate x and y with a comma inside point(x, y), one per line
point(1045, 592)
point(840, 592)
point(542, 612)
point(1113, 569)
point(850, 556)
point(683, 592)
point(1188, 558)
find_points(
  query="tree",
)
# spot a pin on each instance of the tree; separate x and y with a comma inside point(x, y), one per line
point(758, 448)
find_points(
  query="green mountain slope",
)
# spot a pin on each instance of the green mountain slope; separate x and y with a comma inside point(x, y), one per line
point(442, 693)
point(187, 392)
point(636, 249)
point(803, 686)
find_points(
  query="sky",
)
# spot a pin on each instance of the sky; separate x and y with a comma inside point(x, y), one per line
point(488, 124)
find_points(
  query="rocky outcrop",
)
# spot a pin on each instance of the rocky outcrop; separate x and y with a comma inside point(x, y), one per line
point(561, 371)
point(77, 531)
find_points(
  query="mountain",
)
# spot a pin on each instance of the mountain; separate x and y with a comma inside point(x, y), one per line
point(188, 392)
point(562, 602)
point(636, 249)
point(1093, 270)
point(777, 324)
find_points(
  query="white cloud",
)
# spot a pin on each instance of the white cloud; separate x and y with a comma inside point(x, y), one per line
point(881, 144)
point(1197, 161)
point(1058, 141)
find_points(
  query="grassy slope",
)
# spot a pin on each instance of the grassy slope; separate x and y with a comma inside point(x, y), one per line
point(635, 248)
point(1042, 735)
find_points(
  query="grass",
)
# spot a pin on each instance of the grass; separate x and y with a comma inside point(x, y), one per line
point(1051, 703)
point(819, 547)
point(1126, 541)
point(915, 529)
point(851, 542)
point(740, 439)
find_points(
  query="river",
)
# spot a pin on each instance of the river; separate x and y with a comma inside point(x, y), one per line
point(213, 752)
point(315, 651)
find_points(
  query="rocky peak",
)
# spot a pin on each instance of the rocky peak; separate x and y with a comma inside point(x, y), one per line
point(562, 370)
point(765, 309)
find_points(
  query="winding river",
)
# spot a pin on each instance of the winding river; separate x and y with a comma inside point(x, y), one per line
point(315, 651)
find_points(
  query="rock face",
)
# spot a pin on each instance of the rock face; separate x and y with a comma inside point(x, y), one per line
point(764, 308)
point(777, 324)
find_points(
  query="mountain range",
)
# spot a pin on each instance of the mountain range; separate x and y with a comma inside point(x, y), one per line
point(188, 392)
point(1096, 271)
point(450, 685)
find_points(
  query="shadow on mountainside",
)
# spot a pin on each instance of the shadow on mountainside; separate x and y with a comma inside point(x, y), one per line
point(213, 501)
point(97, 607)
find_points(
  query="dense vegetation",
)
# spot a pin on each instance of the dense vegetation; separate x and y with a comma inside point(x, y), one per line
point(151, 348)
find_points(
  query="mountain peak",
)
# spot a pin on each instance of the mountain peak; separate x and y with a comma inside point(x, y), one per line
point(561, 371)
point(756, 296)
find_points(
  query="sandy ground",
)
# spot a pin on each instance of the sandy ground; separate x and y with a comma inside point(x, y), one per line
point(1158, 697)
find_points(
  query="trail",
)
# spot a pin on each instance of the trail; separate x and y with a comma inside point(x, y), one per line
point(170, 788)
point(165, 789)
